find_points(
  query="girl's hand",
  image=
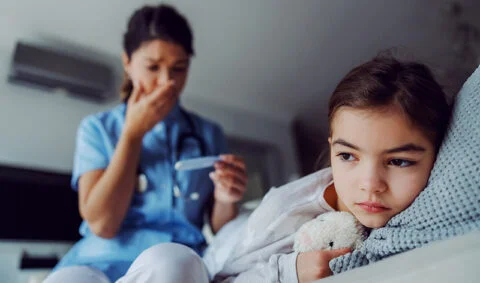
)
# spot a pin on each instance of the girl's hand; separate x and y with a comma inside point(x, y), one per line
point(314, 265)
point(230, 179)
point(145, 110)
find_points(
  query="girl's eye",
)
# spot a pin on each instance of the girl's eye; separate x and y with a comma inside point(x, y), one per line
point(401, 163)
point(346, 156)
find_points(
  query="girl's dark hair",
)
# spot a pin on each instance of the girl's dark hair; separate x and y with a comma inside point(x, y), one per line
point(385, 81)
point(155, 22)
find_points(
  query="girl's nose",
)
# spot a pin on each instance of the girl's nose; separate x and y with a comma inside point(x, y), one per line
point(372, 180)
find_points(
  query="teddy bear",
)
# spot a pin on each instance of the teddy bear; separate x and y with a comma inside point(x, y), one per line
point(330, 231)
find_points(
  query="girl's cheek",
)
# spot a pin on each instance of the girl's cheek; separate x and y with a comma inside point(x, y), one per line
point(405, 189)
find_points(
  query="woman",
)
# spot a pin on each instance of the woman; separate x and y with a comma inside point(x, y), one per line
point(130, 196)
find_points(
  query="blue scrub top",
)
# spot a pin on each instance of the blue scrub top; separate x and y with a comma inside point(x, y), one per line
point(156, 215)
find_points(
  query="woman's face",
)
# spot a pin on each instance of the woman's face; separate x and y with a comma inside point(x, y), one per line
point(156, 62)
point(380, 162)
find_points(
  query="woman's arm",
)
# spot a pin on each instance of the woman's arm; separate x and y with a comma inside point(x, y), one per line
point(105, 195)
point(222, 213)
point(230, 180)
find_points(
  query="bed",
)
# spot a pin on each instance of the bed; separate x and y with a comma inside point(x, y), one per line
point(453, 260)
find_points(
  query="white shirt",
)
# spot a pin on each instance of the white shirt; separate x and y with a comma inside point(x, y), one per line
point(264, 250)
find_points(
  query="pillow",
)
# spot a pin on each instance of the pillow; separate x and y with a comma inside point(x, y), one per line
point(449, 205)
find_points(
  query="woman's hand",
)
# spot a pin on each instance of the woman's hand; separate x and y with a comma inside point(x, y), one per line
point(314, 265)
point(144, 111)
point(230, 179)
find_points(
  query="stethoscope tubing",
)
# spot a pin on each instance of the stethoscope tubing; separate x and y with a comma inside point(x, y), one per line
point(142, 183)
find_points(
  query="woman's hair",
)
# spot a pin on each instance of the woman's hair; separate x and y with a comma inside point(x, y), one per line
point(155, 22)
point(385, 81)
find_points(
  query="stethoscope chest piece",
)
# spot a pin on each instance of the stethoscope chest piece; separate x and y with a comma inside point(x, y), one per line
point(176, 191)
point(194, 196)
point(178, 194)
point(142, 183)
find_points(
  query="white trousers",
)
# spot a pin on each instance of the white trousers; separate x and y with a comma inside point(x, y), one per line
point(162, 263)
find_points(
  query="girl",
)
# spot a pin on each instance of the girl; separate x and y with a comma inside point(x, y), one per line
point(130, 196)
point(387, 120)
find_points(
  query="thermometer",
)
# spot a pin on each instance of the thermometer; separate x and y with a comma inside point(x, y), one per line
point(196, 163)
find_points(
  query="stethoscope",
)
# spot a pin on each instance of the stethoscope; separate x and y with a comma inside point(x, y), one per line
point(190, 134)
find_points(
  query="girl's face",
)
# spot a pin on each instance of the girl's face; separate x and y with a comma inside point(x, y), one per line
point(380, 162)
point(156, 62)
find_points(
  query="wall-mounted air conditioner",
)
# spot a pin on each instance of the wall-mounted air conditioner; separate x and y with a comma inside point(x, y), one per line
point(46, 68)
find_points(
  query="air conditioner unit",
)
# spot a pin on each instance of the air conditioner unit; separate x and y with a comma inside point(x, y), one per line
point(45, 68)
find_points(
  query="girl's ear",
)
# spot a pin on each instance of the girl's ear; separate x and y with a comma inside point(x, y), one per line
point(330, 141)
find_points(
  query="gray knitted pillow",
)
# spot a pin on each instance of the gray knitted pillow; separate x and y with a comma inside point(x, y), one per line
point(449, 205)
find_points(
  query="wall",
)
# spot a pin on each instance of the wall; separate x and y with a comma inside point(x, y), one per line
point(37, 128)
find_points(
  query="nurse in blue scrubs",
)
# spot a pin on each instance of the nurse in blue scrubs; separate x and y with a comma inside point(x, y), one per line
point(130, 196)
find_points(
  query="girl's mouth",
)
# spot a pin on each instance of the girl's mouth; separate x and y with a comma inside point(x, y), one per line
point(372, 207)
